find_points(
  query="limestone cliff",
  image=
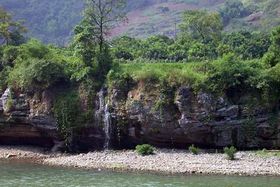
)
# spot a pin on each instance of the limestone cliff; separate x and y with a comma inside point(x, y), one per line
point(144, 113)
point(181, 117)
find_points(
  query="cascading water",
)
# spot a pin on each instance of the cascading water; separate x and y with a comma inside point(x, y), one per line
point(107, 126)
point(4, 99)
point(103, 117)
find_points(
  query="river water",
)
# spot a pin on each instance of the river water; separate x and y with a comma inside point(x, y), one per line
point(14, 174)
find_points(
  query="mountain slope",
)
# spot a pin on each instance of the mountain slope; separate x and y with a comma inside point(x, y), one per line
point(52, 21)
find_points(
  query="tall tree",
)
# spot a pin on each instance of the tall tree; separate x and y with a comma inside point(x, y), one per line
point(90, 44)
point(233, 9)
point(272, 57)
point(85, 43)
point(10, 31)
point(202, 25)
point(102, 15)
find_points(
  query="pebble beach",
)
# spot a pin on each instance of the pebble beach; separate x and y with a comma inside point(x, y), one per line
point(164, 161)
point(173, 162)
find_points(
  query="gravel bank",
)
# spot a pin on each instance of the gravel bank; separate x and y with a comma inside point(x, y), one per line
point(172, 162)
point(15, 152)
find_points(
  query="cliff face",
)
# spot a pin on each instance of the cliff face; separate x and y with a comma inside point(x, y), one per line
point(188, 118)
point(143, 113)
point(27, 119)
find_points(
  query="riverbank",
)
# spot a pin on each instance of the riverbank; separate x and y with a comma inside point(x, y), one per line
point(26, 153)
point(164, 161)
point(173, 162)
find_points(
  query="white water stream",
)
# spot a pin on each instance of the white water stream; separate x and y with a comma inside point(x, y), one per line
point(103, 117)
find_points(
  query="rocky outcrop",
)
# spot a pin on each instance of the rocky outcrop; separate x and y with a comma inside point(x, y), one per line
point(192, 118)
point(27, 119)
point(142, 113)
point(20, 125)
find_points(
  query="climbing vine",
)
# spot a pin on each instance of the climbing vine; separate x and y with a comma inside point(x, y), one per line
point(68, 113)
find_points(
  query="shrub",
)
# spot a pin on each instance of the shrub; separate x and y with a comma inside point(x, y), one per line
point(230, 152)
point(230, 74)
point(194, 150)
point(145, 149)
point(172, 73)
point(34, 49)
point(36, 73)
point(10, 54)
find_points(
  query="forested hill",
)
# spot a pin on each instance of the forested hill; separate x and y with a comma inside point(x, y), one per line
point(52, 21)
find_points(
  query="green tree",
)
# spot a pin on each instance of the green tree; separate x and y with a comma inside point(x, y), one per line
point(200, 51)
point(90, 35)
point(233, 9)
point(127, 48)
point(247, 45)
point(233, 76)
point(84, 43)
point(10, 31)
point(156, 47)
point(101, 15)
point(272, 57)
point(202, 25)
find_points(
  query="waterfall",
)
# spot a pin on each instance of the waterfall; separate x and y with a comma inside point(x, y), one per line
point(103, 117)
point(107, 127)
point(4, 99)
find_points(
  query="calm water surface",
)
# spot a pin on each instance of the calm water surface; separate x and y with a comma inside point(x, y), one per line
point(30, 175)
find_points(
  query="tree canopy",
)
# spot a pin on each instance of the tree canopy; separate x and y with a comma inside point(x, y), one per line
point(202, 25)
point(10, 31)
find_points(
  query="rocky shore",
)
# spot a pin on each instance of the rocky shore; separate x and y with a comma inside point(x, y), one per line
point(26, 152)
point(164, 161)
point(173, 162)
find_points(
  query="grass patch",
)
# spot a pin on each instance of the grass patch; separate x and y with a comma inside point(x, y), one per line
point(191, 74)
point(268, 153)
point(194, 150)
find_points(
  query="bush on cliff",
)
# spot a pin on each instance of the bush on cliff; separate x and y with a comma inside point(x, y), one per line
point(230, 74)
point(35, 74)
point(145, 149)
point(171, 73)
point(35, 66)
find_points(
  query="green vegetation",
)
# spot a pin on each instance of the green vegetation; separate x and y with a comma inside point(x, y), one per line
point(194, 150)
point(10, 30)
point(202, 57)
point(233, 9)
point(33, 66)
point(230, 152)
point(67, 112)
point(172, 73)
point(268, 153)
point(145, 149)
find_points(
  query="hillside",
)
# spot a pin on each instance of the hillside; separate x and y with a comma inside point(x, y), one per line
point(52, 21)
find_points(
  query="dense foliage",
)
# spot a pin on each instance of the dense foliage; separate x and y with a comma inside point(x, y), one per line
point(10, 30)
